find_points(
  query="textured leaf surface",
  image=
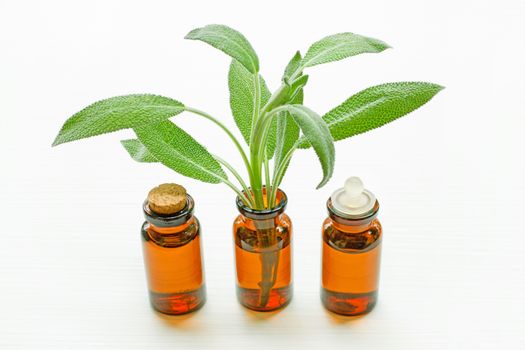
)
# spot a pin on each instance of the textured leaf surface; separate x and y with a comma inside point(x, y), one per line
point(177, 150)
point(138, 151)
point(287, 134)
point(117, 113)
point(293, 67)
point(242, 97)
point(297, 87)
point(376, 106)
point(229, 41)
point(340, 46)
point(316, 132)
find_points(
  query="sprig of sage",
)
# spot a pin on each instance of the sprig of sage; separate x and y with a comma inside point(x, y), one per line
point(272, 125)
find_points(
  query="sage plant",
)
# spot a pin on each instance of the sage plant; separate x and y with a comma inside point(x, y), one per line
point(273, 125)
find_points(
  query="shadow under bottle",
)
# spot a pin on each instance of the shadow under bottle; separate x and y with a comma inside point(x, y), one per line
point(263, 256)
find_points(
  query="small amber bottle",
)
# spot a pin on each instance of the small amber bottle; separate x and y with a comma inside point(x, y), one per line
point(351, 250)
point(172, 251)
point(263, 256)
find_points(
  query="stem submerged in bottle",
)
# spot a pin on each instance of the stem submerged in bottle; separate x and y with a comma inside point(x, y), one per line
point(270, 252)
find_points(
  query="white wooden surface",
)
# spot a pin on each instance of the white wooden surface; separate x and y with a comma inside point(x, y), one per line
point(449, 177)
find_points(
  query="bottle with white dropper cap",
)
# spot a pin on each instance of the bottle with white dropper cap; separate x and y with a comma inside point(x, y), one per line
point(353, 200)
point(351, 250)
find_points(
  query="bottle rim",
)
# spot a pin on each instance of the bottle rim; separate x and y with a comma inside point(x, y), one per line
point(351, 220)
point(263, 214)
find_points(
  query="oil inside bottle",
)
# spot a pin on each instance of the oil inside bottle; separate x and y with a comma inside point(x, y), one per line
point(351, 261)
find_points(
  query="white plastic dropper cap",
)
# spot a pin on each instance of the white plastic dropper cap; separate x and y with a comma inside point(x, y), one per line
point(353, 199)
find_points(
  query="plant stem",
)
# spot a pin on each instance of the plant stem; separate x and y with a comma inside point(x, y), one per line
point(255, 145)
point(265, 123)
point(236, 190)
point(238, 177)
point(255, 179)
point(259, 139)
point(257, 148)
point(269, 204)
point(228, 132)
point(279, 173)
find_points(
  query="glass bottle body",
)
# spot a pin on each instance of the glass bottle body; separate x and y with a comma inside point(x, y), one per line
point(173, 262)
point(263, 256)
point(351, 257)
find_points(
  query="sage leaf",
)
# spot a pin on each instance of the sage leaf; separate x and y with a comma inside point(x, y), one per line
point(293, 68)
point(286, 136)
point(271, 139)
point(340, 46)
point(375, 107)
point(317, 133)
point(138, 151)
point(242, 97)
point(229, 41)
point(297, 86)
point(117, 113)
point(177, 150)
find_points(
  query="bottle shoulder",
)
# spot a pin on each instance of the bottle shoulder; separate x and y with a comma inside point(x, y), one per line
point(357, 238)
point(170, 237)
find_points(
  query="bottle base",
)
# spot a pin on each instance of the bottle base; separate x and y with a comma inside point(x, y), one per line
point(178, 303)
point(348, 304)
point(278, 298)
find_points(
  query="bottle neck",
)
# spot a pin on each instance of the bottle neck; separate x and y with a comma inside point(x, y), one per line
point(171, 230)
point(263, 215)
point(349, 223)
point(265, 219)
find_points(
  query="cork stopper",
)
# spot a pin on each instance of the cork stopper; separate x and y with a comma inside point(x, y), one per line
point(167, 199)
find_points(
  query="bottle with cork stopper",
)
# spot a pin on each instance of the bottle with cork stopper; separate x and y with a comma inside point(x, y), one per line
point(171, 244)
point(351, 251)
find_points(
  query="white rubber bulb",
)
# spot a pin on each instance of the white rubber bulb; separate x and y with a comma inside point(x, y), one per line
point(353, 195)
point(353, 198)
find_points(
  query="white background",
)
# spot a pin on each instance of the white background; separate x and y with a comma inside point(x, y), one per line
point(450, 177)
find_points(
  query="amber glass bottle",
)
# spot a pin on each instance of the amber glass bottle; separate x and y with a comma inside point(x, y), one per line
point(263, 256)
point(172, 252)
point(351, 255)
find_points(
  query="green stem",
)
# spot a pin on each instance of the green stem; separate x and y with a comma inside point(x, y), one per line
point(267, 174)
point(236, 190)
point(265, 123)
point(228, 132)
point(257, 148)
point(279, 173)
point(255, 145)
point(237, 176)
point(258, 141)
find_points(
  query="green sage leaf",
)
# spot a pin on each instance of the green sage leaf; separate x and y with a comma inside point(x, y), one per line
point(375, 107)
point(316, 132)
point(138, 151)
point(177, 150)
point(297, 87)
point(117, 113)
point(242, 97)
point(293, 68)
point(286, 136)
point(340, 46)
point(229, 41)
